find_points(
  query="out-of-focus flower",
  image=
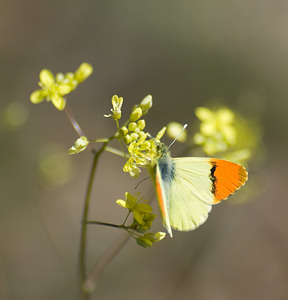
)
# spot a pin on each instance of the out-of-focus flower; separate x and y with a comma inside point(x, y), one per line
point(173, 130)
point(217, 130)
point(55, 89)
point(14, 115)
point(55, 166)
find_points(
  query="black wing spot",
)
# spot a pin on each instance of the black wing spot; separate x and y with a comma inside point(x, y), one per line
point(213, 177)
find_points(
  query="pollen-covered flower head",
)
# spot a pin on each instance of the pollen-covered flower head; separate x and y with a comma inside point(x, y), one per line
point(142, 152)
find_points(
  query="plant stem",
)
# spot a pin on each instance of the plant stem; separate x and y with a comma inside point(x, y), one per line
point(73, 121)
point(115, 151)
point(105, 224)
point(83, 243)
point(76, 125)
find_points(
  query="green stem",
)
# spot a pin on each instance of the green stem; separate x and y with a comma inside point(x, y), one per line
point(83, 243)
point(106, 224)
point(115, 151)
point(73, 121)
point(76, 125)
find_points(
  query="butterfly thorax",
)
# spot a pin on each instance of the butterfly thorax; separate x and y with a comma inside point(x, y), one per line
point(163, 162)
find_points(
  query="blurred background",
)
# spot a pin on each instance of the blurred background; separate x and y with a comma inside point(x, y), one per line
point(185, 54)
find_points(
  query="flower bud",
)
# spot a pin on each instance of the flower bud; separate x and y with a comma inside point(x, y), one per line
point(132, 126)
point(127, 139)
point(123, 130)
point(136, 114)
point(134, 136)
point(146, 104)
point(141, 124)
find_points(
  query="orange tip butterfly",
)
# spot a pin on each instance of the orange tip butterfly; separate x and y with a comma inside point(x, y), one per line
point(188, 187)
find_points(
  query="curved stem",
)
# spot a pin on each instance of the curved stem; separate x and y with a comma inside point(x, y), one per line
point(83, 242)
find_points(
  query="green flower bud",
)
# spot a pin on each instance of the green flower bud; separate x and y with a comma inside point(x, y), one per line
point(145, 242)
point(132, 126)
point(141, 124)
point(79, 145)
point(127, 139)
point(136, 114)
point(134, 136)
point(123, 130)
point(146, 104)
point(141, 134)
point(136, 130)
point(60, 77)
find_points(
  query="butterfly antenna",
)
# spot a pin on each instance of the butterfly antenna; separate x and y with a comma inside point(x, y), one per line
point(141, 182)
point(184, 127)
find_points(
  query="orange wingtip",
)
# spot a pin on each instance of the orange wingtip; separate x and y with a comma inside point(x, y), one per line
point(227, 177)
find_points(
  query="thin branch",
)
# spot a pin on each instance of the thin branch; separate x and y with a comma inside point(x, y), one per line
point(105, 224)
point(83, 240)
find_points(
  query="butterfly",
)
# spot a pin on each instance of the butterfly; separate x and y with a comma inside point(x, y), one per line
point(187, 187)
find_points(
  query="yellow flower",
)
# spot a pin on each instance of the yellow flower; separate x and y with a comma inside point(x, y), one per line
point(173, 130)
point(142, 212)
point(217, 130)
point(117, 103)
point(79, 145)
point(130, 201)
point(55, 89)
point(148, 239)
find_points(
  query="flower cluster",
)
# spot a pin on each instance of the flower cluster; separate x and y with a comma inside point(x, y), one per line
point(142, 220)
point(217, 130)
point(141, 147)
point(55, 88)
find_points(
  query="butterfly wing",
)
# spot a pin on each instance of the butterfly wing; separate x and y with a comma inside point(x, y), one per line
point(192, 187)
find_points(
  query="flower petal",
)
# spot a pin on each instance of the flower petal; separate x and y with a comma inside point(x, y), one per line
point(84, 71)
point(58, 101)
point(38, 96)
point(47, 78)
point(65, 89)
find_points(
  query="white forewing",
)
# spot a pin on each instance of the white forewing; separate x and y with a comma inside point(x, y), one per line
point(190, 198)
